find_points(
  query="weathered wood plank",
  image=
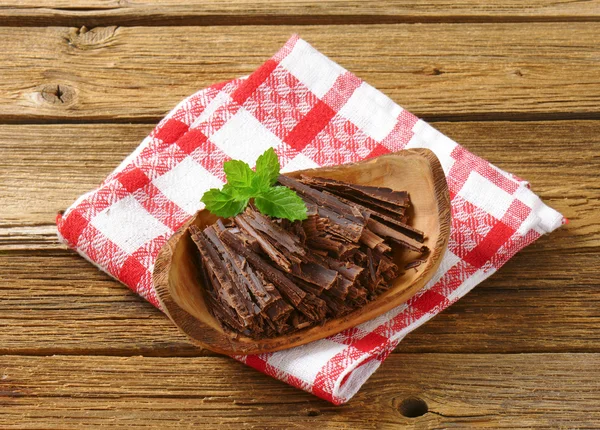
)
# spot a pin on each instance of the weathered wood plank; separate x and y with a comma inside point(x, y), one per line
point(201, 12)
point(57, 303)
point(46, 167)
point(490, 391)
point(434, 70)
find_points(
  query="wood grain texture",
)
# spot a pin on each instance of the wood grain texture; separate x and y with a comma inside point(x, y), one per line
point(452, 71)
point(45, 168)
point(244, 12)
point(489, 391)
point(53, 303)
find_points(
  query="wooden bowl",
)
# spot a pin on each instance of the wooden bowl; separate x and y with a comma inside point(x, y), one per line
point(417, 171)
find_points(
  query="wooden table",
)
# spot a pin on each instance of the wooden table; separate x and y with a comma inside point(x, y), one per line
point(81, 83)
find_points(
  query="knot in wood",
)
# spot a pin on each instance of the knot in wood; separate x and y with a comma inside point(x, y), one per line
point(413, 407)
point(433, 71)
point(97, 37)
point(57, 94)
point(312, 412)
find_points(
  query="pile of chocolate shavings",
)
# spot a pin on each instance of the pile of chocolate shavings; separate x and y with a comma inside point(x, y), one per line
point(264, 277)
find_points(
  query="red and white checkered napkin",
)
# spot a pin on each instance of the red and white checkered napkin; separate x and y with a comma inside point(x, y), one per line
point(314, 113)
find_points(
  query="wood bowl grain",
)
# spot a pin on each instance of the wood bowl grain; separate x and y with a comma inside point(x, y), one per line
point(417, 171)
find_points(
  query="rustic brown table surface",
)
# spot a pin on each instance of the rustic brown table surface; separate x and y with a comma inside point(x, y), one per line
point(82, 82)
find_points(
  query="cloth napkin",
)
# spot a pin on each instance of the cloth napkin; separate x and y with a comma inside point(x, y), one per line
point(314, 113)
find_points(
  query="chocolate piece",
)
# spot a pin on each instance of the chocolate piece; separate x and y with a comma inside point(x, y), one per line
point(321, 199)
point(387, 268)
point(410, 231)
point(375, 203)
point(347, 269)
point(315, 274)
point(307, 286)
point(224, 314)
point(399, 198)
point(414, 264)
point(279, 310)
point(282, 239)
point(382, 248)
point(336, 247)
point(357, 294)
point(266, 277)
point(287, 288)
point(370, 239)
point(340, 289)
point(313, 307)
point(371, 265)
point(336, 306)
point(274, 254)
point(340, 226)
point(394, 202)
point(241, 271)
point(229, 291)
point(397, 236)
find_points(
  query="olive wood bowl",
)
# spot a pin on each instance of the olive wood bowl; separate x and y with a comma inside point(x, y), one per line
point(418, 171)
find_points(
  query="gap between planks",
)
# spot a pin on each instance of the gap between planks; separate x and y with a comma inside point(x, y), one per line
point(265, 12)
point(443, 117)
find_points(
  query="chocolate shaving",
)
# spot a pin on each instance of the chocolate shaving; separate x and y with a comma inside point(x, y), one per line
point(229, 291)
point(397, 236)
point(399, 198)
point(267, 277)
point(321, 199)
point(282, 239)
point(274, 254)
point(414, 264)
point(357, 294)
point(316, 274)
point(376, 197)
point(340, 226)
point(279, 310)
point(287, 288)
point(340, 289)
point(378, 205)
point(410, 231)
point(347, 269)
point(370, 239)
point(371, 265)
point(241, 271)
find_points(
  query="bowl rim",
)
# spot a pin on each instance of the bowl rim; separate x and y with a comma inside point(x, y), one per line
point(191, 326)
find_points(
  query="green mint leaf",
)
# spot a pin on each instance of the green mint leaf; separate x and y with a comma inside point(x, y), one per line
point(260, 184)
point(267, 169)
point(244, 193)
point(244, 184)
point(239, 175)
point(281, 202)
point(222, 202)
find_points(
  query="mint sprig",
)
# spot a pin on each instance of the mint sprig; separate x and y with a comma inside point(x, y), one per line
point(223, 203)
point(281, 202)
point(244, 184)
